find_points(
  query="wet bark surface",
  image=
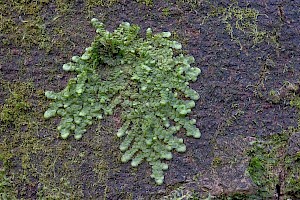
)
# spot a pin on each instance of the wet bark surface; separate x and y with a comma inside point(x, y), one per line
point(234, 109)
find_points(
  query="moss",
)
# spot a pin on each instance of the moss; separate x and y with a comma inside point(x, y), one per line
point(91, 4)
point(5, 182)
point(217, 161)
point(166, 12)
point(292, 187)
point(272, 168)
point(16, 105)
point(146, 2)
point(180, 193)
point(64, 6)
point(193, 3)
point(22, 25)
point(103, 3)
point(295, 102)
point(237, 196)
point(33, 163)
point(238, 22)
point(136, 73)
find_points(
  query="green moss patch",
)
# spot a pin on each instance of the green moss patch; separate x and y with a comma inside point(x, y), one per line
point(274, 168)
point(275, 163)
point(22, 25)
point(5, 182)
point(145, 80)
point(17, 105)
point(239, 22)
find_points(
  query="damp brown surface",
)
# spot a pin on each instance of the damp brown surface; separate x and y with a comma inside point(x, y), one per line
point(236, 105)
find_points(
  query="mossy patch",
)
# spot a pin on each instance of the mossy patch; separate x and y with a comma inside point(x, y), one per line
point(22, 25)
point(146, 2)
point(180, 193)
point(240, 23)
point(152, 90)
point(275, 160)
point(273, 169)
point(33, 162)
point(5, 182)
point(103, 3)
point(193, 3)
point(17, 105)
